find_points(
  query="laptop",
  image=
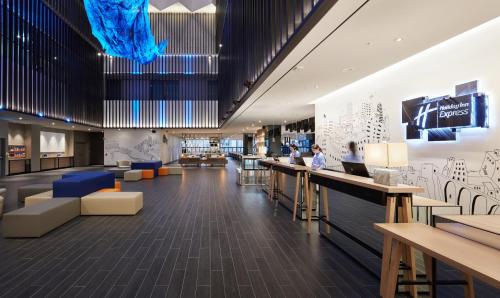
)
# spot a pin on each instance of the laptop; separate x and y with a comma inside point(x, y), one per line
point(355, 168)
point(299, 161)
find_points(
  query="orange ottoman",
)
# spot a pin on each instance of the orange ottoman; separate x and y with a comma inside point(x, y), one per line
point(148, 174)
point(163, 172)
point(118, 185)
point(109, 190)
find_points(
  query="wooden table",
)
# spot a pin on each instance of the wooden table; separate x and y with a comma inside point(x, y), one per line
point(399, 196)
point(470, 257)
point(299, 173)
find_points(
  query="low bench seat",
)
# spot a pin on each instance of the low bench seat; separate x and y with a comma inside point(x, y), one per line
point(174, 170)
point(38, 198)
point(133, 175)
point(39, 219)
point(470, 257)
point(28, 190)
point(119, 172)
point(112, 203)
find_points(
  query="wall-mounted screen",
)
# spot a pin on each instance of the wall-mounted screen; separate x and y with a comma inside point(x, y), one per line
point(52, 142)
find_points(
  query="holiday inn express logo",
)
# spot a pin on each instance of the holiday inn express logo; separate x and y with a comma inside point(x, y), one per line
point(441, 117)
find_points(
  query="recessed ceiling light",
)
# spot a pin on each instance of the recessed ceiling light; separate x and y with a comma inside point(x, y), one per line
point(88, 129)
point(284, 121)
point(72, 126)
point(55, 58)
point(99, 54)
point(20, 118)
point(53, 123)
point(298, 67)
point(398, 39)
point(220, 45)
point(119, 129)
point(260, 121)
point(348, 69)
point(317, 87)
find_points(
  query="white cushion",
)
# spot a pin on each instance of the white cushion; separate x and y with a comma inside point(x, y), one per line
point(38, 198)
point(132, 175)
point(174, 170)
point(112, 203)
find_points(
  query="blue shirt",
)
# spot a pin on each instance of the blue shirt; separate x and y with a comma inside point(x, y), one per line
point(353, 158)
point(319, 161)
point(294, 154)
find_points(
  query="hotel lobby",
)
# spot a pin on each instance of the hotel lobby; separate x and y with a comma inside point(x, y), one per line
point(260, 148)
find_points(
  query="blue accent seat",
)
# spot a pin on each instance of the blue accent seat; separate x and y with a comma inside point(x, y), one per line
point(147, 165)
point(80, 184)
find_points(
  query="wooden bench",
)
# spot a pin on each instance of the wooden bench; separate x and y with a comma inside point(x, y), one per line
point(472, 258)
point(429, 205)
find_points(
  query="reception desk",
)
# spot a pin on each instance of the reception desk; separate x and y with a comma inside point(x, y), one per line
point(53, 163)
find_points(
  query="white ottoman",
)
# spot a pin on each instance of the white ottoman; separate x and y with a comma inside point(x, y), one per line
point(132, 175)
point(111, 203)
point(174, 170)
point(38, 198)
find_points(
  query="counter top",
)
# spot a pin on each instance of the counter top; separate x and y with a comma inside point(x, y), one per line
point(48, 157)
point(285, 165)
point(367, 182)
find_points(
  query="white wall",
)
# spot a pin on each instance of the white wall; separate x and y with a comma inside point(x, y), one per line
point(140, 144)
point(475, 55)
point(52, 142)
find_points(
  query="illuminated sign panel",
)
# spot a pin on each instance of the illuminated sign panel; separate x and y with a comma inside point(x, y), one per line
point(442, 116)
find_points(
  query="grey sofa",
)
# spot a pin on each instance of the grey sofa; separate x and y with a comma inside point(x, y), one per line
point(28, 190)
point(39, 219)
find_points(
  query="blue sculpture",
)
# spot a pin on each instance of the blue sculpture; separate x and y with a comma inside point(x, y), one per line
point(123, 29)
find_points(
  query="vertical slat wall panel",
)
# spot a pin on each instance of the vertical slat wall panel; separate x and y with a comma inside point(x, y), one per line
point(46, 67)
point(253, 32)
point(160, 114)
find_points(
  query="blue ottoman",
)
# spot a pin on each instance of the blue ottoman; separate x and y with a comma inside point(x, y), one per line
point(147, 165)
point(81, 184)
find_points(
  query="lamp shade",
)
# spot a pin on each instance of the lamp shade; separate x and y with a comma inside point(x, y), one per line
point(397, 155)
point(386, 154)
point(376, 154)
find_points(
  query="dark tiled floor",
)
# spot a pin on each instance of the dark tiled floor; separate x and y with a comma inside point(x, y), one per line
point(198, 235)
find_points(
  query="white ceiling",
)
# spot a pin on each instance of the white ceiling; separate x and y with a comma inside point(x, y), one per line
point(366, 40)
point(176, 6)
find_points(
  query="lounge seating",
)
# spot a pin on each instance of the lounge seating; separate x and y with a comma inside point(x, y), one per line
point(119, 172)
point(147, 165)
point(37, 220)
point(123, 164)
point(82, 183)
point(174, 170)
point(163, 171)
point(112, 203)
point(148, 174)
point(38, 198)
point(25, 191)
point(133, 175)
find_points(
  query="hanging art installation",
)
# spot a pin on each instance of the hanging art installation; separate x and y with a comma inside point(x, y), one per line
point(123, 29)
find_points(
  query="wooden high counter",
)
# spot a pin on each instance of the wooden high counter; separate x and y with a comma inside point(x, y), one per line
point(287, 184)
point(396, 199)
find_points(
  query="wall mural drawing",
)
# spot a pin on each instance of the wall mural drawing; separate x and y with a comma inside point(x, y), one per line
point(477, 190)
point(134, 147)
point(365, 123)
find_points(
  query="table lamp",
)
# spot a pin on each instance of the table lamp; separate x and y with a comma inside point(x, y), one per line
point(387, 155)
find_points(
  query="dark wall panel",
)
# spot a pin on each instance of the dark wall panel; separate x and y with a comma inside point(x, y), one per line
point(187, 33)
point(46, 67)
point(253, 33)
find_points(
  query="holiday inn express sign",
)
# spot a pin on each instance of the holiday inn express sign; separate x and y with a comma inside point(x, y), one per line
point(441, 117)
